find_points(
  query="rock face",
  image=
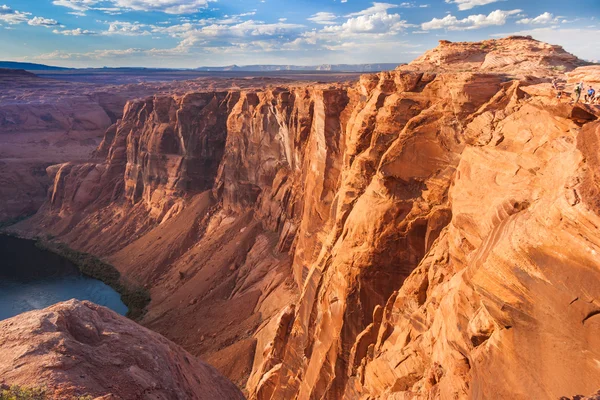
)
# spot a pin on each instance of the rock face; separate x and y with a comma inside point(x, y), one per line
point(78, 348)
point(45, 122)
point(514, 55)
point(430, 232)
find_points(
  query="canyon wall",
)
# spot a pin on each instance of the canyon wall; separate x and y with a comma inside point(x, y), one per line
point(430, 232)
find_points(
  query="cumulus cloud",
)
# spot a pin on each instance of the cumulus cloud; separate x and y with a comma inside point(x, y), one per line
point(450, 22)
point(468, 4)
point(41, 21)
point(374, 9)
point(323, 18)
point(13, 17)
point(545, 18)
point(378, 23)
point(166, 6)
point(127, 29)
point(77, 5)
point(238, 37)
point(413, 5)
point(360, 32)
point(74, 32)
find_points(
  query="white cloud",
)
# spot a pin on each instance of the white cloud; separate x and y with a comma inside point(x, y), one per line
point(166, 6)
point(41, 21)
point(13, 17)
point(77, 5)
point(468, 4)
point(323, 18)
point(374, 9)
point(413, 5)
point(545, 18)
point(93, 55)
point(450, 22)
point(74, 32)
point(233, 39)
point(378, 23)
point(127, 29)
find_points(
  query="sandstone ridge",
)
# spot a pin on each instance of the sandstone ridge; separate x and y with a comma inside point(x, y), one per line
point(514, 55)
point(426, 233)
point(78, 348)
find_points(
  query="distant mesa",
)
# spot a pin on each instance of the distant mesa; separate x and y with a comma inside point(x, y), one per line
point(356, 68)
point(299, 68)
point(29, 66)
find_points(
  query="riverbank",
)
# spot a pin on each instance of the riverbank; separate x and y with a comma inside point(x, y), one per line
point(134, 297)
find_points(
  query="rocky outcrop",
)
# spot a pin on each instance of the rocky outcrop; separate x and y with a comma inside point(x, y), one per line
point(429, 232)
point(78, 348)
point(515, 55)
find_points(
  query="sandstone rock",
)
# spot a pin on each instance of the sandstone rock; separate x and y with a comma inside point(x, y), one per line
point(78, 348)
point(514, 55)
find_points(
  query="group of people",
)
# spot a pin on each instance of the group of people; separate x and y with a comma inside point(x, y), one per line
point(590, 96)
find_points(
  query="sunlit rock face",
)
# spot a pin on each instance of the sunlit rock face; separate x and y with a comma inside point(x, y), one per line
point(77, 349)
point(430, 232)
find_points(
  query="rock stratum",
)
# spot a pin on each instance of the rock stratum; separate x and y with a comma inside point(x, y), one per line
point(46, 121)
point(81, 349)
point(426, 233)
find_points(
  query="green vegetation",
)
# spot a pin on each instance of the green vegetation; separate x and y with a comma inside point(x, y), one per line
point(22, 393)
point(135, 298)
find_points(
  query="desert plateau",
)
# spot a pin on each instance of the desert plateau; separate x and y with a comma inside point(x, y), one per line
point(308, 229)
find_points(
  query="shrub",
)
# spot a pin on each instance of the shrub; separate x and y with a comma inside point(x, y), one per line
point(20, 393)
point(16, 392)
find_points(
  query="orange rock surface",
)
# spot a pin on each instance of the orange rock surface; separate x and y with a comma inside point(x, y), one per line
point(426, 233)
point(78, 348)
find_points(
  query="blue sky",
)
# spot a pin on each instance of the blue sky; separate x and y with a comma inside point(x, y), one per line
point(192, 33)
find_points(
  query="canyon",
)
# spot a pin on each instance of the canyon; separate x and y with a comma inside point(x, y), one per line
point(425, 233)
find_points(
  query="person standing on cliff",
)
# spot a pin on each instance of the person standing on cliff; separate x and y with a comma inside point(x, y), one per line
point(578, 92)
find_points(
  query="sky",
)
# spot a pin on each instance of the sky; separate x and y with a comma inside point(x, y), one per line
point(194, 33)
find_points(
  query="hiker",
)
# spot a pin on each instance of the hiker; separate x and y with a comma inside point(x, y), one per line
point(555, 83)
point(590, 95)
point(578, 92)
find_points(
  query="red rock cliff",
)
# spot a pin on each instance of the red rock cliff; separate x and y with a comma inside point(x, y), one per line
point(430, 232)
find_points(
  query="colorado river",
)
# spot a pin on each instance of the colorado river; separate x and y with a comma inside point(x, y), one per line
point(32, 278)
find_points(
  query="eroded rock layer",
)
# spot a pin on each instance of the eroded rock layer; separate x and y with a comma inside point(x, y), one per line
point(80, 349)
point(430, 232)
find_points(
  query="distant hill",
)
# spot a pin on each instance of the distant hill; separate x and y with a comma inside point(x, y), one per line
point(230, 68)
point(29, 66)
point(323, 67)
